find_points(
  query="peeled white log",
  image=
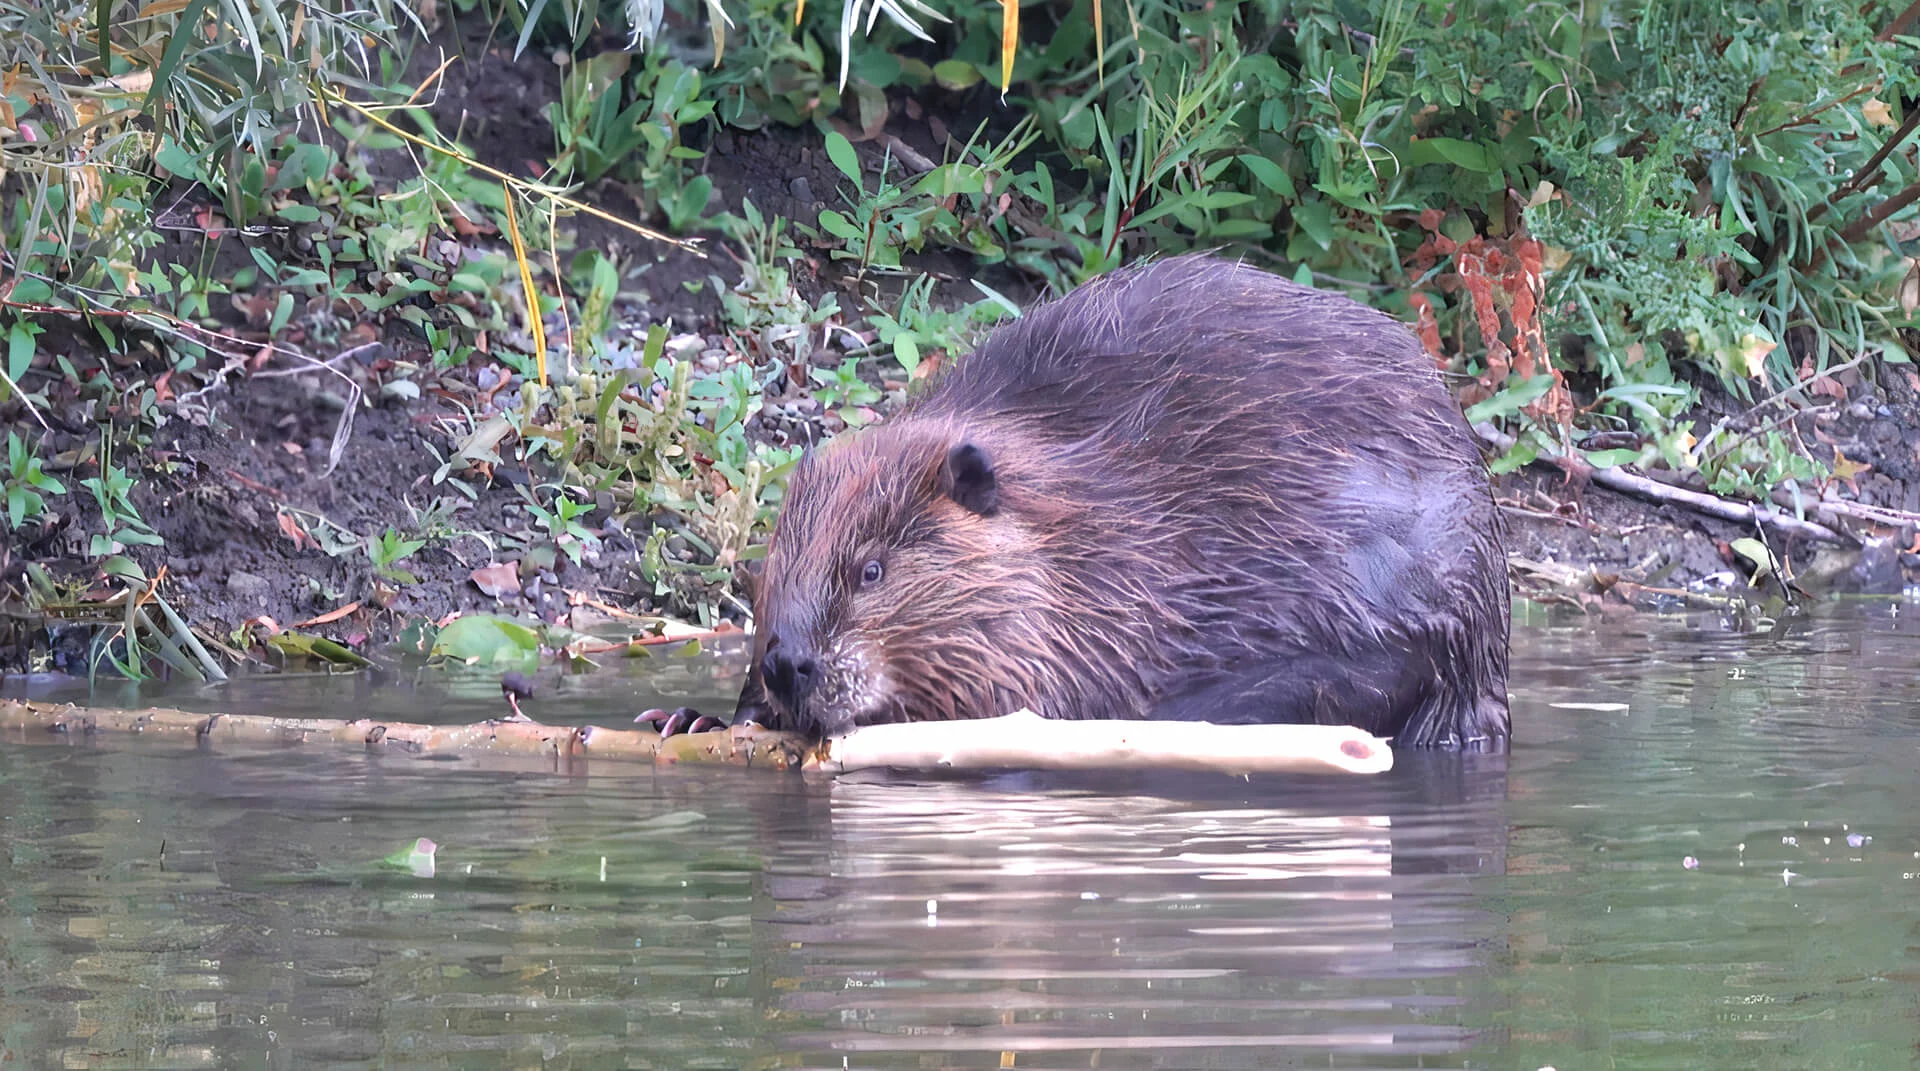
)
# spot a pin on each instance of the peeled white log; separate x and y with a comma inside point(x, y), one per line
point(1026, 741)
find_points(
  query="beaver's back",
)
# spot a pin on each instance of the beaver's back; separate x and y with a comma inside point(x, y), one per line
point(1279, 475)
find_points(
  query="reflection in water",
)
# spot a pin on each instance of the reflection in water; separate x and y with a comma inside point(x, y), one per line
point(1701, 853)
point(1064, 924)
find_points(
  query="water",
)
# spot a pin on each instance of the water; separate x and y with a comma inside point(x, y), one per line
point(174, 909)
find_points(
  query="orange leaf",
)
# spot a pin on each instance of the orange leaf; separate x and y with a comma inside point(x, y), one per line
point(1009, 40)
point(292, 530)
point(330, 616)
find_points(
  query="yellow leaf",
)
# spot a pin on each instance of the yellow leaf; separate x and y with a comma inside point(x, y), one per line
point(1845, 469)
point(1009, 40)
point(1753, 353)
point(534, 324)
point(134, 81)
point(1758, 556)
point(1877, 113)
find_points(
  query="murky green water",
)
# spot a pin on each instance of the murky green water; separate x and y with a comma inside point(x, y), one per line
point(184, 910)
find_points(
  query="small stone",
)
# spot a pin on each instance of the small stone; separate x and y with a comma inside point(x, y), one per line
point(801, 189)
point(249, 585)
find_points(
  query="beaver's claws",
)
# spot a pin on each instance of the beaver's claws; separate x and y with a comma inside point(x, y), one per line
point(680, 720)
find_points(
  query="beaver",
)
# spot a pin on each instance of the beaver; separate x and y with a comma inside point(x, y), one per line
point(1187, 490)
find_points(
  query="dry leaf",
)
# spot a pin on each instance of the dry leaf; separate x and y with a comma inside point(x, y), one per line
point(330, 616)
point(292, 530)
point(1753, 354)
point(497, 580)
point(1877, 113)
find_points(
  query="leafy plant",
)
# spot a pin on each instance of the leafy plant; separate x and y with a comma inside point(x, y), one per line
point(26, 485)
point(950, 206)
point(112, 490)
point(389, 549)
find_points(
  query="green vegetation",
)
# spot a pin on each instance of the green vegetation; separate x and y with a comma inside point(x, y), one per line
point(1596, 216)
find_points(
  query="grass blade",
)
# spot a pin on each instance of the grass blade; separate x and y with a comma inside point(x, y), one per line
point(176, 48)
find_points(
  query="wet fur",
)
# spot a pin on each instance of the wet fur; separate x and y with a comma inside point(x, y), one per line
point(1213, 495)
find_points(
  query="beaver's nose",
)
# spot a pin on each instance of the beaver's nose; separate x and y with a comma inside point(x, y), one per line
point(791, 673)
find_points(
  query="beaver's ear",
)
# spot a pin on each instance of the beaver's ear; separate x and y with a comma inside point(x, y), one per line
point(968, 479)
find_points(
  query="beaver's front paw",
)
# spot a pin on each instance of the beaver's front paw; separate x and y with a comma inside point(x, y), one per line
point(679, 720)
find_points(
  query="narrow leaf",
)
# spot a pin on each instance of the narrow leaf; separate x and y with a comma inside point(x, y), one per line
point(534, 322)
point(1009, 40)
point(176, 48)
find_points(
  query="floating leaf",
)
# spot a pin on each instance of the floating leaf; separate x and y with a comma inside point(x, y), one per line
point(486, 639)
point(416, 858)
point(302, 645)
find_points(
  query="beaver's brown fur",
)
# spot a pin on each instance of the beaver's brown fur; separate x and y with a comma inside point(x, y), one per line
point(1189, 490)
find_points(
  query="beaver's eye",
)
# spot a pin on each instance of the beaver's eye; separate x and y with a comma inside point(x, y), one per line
point(871, 573)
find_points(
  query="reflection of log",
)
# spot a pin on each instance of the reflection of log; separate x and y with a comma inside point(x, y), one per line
point(1020, 741)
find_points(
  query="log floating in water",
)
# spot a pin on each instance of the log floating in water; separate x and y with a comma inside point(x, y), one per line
point(1018, 741)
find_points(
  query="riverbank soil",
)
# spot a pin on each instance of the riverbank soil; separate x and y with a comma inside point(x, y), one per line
point(270, 486)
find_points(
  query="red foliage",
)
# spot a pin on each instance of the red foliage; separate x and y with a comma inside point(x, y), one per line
point(1502, 280)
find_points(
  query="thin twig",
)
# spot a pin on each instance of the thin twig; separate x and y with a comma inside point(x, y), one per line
point(1900, 23)
point(1861, 227)
point(1869, 173)
point(1618, 479)
point(1808, 117)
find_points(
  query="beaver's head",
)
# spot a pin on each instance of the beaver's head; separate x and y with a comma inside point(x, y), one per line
point(908, 579)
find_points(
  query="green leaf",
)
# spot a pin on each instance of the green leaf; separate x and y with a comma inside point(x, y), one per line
point(102, 9)
point(487, 639)
point(1315, 220)
point(1461, 154)
point(184, 32)
point(906, 350)
point(299, 213)
point(1511, 400)
point(840, 151)
point(31, 291)
point(1268, 174)
point(955, 74)
point(19, 349)
point(839, 226)
point(125, 568)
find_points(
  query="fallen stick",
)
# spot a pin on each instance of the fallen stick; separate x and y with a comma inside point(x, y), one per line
point(1616, 479)
point(27, 722)
point(1018, 741)
point(1030, 742)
